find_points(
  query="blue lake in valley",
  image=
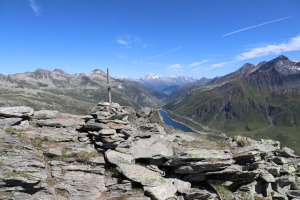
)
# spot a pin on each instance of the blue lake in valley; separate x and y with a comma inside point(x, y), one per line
point(173, 123)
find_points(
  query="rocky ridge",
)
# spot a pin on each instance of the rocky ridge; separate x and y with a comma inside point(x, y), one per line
point(259, 101)
point(72, 93)
point(118, 153)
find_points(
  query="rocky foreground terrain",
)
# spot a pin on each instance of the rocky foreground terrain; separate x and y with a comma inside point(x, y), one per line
point(118, 153)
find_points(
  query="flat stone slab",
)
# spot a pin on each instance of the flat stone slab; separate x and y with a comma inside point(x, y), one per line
point(107, 132)
point(202, 167)
point(56, 122)
point(45, 114)
point(7, 122)
point(117, 158)
point(161, 192)
point(193, 154)
point(182, 186)
point(141, 175)
point(21, 111)
point(150, 148)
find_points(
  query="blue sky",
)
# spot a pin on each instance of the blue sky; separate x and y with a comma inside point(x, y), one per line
point(134, 37)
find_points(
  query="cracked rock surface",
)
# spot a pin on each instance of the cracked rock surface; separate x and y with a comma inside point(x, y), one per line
point(118, 153)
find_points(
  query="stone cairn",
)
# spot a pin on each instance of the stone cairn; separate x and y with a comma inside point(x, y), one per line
point(109, 127)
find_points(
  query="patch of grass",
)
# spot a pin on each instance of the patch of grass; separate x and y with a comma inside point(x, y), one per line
point(42, 84)
point(259, 198)
point(51, 182)
point(245, 196)
point(223, 191)
point(123, 197)
point(8, 174)
point(61, 192)
point(37, 142)
point(174, 148)
point(66, 153)
point(8, 130)
point(242, 142)
point(1, 164)
point(193, 144)
point(86, 156)
point(222, 145)
point(24, 138)
point(34, 125)
point(214, 137)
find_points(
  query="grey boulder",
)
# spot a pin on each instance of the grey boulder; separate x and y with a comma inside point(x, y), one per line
point(21, 111)
point(56, 122)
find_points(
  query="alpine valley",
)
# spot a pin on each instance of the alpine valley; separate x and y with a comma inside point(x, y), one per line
point(257, 101)
point(166, 84)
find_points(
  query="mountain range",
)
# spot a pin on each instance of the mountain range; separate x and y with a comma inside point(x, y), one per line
point(259, 101)
point(73, 93)
point(166, 84)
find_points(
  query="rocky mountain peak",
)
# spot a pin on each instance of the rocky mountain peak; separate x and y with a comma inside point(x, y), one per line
point(41, 70)
point(260, 64)
point(245, 69)
point(97, 74)
point(59, 71)
point(282, 57)
point(98, 71)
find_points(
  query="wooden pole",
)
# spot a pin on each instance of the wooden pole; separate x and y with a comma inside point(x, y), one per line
point(108, 86)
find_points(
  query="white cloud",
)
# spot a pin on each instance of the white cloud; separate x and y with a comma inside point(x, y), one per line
point(217, 65)
point(213, 66)
point(36, 9)
point(130, 41)
point(162, 54)
point(123, 42)
point(121, 56)
point(198, 63)
point(250, 27)
point(179, 67)
point(175, 67)
point(292, 45)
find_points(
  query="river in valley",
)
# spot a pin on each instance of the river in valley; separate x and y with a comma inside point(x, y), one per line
point(173, 123)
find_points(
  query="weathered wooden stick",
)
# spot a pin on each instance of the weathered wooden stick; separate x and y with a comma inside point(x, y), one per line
point(108, 86)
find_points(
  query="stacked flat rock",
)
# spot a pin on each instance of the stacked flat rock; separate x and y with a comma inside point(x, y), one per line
point(15, 117)
point(109, 127)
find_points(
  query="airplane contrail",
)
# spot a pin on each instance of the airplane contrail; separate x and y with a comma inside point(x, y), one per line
point(256, 26)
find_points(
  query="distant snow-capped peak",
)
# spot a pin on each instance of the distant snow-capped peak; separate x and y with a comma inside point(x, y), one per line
point(152, 76)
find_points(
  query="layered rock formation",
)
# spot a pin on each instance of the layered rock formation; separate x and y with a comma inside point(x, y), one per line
point(118, 153)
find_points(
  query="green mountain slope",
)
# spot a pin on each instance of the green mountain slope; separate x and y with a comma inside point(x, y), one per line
point(264, 103)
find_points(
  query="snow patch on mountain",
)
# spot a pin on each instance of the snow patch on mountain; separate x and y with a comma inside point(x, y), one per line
point(160, 82)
